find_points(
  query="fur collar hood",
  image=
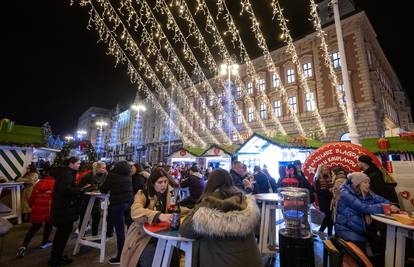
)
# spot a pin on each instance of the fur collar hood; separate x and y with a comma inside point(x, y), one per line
point(230, 217)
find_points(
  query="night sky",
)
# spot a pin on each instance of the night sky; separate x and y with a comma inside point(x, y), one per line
point(55, 69)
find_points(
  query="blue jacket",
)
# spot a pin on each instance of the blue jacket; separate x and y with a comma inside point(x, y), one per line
point(350, 221)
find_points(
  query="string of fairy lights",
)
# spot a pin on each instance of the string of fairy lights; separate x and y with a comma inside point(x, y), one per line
point(291, 49)
point(106, 35)
point(316, 21)
point(172, 24)
point(135, 50)
point(182, 75)
point(172, 59)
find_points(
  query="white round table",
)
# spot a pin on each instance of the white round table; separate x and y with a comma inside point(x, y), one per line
point(268, 242)
point(166, 240)
point(15, 188)
point(395, 244)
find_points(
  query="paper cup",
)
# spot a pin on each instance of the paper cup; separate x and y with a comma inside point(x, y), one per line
point(387, 209)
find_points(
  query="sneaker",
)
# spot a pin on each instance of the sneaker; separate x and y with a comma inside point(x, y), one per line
point(46, 245)
point(114, 261)
point(20, 252)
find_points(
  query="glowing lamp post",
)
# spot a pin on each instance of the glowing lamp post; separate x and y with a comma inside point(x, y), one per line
point(99, 140)
point(229, 69)
point(68, 138)
point(136, 131)
point(80, 134)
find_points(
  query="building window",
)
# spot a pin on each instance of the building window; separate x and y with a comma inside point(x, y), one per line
point(341, 90)
point(239, 119)
point(202, 105)
point(262, 85)
point(292, 104)
point(238, 92)
point(235, 137)
point(250, 114)
point(290, 75)
point(250, 88)
point(210, 100)
point(336, 60)
point(210, 122)
point(220, 120)
point(263, 111)
point(277, 108)
point(307, 70)
point(310, 102)
point(275, 80)
point(220, 96)
point(191, 100)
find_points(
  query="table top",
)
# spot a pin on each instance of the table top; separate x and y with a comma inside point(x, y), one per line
point(167, 235)
point(95, 193)
point(391, 221)
point(268, 197)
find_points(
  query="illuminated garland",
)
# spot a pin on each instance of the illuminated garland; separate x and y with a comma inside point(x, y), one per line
point(326, 58)
point(172, 59)
point(114, 49)
point(277, 10)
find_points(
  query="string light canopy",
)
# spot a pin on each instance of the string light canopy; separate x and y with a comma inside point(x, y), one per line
point(175, 63)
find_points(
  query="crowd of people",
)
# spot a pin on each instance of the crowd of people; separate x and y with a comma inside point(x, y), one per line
point(222, 213)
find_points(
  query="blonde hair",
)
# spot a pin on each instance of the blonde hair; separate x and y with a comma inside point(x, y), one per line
point(97, 165)
point(319, 172)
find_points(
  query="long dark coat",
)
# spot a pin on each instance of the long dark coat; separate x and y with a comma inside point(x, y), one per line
point(223, 229)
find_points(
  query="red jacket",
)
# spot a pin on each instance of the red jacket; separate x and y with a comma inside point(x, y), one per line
point(41, 200)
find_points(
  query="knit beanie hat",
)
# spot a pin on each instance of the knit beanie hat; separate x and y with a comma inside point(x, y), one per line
point(366, 159)
point(357, 177)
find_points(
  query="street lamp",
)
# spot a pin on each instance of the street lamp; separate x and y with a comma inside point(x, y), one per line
point(229, 69)
point(68, 138)
point(80, 133)
point(101, 124)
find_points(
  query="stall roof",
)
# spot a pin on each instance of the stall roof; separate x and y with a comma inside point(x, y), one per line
point(193, 151)
point(228, 149)
point(397, 145)
point(21, 135)
point(259, 141)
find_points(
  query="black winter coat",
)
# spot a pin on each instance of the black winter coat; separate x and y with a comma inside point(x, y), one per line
point(96, 181)
point(119, 183)
point(378, 185)
point(66, 198)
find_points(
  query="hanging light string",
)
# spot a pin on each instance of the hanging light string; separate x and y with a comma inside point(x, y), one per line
point(327, 59)
point(162, 66)
point(106, 35)
point(172, 59)
point(246, 6)
point(135, 50)
point(291, 49)
point(185, 13)
point(250, 70)
point(211, 27)
point(163, 8)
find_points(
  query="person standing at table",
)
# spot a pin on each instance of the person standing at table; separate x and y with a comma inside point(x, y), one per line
point(65, 208)
point(96, 178)
point(150, 206)
point(119, 184)
point(223, 224)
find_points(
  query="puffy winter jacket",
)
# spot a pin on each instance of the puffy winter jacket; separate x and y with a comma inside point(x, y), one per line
point(41, 200)
point(352, 207)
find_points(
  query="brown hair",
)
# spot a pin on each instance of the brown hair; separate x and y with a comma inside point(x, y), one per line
point(222, 181)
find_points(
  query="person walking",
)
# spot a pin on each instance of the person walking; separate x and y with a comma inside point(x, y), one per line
point(40, 202)
point(65, 208)
point(323, 188)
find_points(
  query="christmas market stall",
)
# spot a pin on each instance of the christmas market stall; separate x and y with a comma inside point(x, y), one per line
point(397, 156)
point(260, 150)
point(219, 156)
point(17, 144)
point(186, 155)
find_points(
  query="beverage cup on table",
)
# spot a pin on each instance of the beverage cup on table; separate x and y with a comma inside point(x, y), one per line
point(387, 209)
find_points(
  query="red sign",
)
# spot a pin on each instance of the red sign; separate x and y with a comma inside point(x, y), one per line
point(216, 151)
point(183, 152)
point(344, 155)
